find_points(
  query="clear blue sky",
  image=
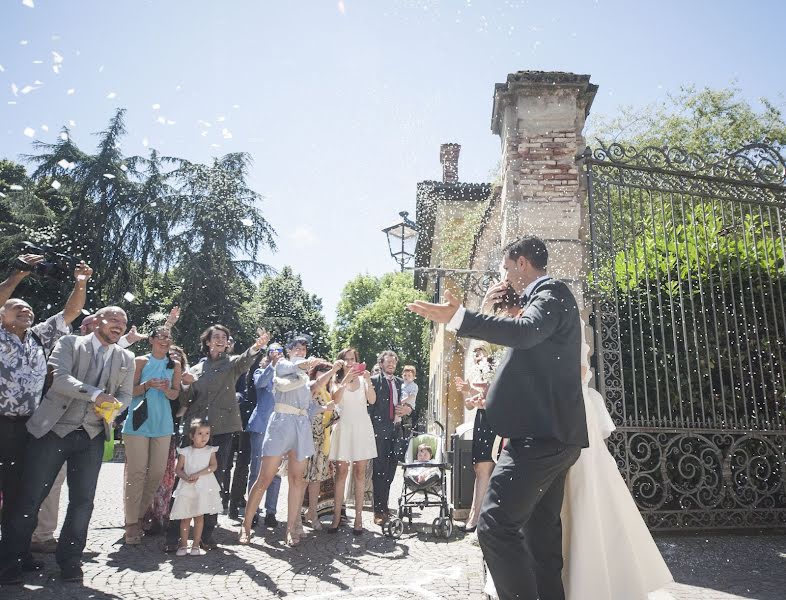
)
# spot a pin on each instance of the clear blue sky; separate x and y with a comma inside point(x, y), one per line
point(343, 105)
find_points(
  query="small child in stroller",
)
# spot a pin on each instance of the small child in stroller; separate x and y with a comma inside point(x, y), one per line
point(423, 475)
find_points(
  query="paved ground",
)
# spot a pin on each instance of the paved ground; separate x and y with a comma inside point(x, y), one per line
point(417, 566)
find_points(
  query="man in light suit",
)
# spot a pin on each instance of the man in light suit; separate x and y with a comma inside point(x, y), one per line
point(536, 401)
point(88, 372)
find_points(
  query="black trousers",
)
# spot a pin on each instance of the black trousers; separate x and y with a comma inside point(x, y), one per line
point(385, 469)
point(223, 457)
point(13, 441)
point(519, 530)
point(240, 472)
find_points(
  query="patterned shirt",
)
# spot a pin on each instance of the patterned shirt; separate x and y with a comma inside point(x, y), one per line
point(23, 365)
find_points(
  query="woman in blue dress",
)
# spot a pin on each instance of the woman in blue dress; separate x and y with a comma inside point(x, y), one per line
point(288, 435)
point(147, 437)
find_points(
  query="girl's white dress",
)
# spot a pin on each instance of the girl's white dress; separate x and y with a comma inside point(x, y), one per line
point(608, 551)
point(353, 437)
point(203, 497)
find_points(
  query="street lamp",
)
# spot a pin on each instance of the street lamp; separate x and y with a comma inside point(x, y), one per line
point(402, 238)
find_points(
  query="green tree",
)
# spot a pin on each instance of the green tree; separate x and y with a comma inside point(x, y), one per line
point(282, 305)
point(708, 122)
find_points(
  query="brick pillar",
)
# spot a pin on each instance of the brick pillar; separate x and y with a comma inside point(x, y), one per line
point(539, 117)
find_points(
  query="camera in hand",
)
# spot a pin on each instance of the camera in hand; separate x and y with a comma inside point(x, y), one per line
point(55, 264)
point(511, 298)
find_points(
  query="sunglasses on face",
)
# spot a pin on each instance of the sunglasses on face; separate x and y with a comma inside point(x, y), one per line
point(275, 351)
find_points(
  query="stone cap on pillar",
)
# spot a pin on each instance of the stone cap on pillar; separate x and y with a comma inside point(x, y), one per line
point(537, 83)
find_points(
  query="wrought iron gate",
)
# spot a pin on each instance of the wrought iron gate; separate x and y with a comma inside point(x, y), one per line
point(689, 288)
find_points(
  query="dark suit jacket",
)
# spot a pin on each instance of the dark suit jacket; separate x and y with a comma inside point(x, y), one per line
point(380, 410)
point(537, 388)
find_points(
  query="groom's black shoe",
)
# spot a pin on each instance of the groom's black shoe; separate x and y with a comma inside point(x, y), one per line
point(465, 529)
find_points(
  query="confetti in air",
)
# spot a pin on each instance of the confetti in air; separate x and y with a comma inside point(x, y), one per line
point(29, 132)
point(129, 297)
point(111, 95)
point(63, 163)
point(71, 92)
point(247, 222)
point(56, 184)
point(341, 8)
point(28, 3)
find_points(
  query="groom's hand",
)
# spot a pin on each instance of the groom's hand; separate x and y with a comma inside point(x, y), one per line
point(439, 313)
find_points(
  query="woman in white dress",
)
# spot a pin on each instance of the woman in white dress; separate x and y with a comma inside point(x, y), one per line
point(353, 437)
point(608, 552)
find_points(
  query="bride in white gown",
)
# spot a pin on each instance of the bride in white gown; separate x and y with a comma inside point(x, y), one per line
point(608, 551)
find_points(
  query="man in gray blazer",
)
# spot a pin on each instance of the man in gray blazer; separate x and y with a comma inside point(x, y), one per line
point(536, 402)
point(88, 372)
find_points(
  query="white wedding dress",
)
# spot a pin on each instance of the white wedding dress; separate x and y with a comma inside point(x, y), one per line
point(608, 551)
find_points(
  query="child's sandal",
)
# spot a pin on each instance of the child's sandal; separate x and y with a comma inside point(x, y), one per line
point(182, 551)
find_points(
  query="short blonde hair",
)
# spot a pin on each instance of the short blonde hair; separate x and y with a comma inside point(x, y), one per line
point(409, 369)
point(426, 447)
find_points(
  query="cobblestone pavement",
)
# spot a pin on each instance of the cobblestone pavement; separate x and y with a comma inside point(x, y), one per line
point(417, 566)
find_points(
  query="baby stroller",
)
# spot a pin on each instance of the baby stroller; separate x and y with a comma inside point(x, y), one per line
point(430, 492)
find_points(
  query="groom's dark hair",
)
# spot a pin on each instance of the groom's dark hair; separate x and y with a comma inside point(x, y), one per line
point(530, 247)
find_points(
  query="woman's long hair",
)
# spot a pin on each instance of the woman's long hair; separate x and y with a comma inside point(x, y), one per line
point(342, 356)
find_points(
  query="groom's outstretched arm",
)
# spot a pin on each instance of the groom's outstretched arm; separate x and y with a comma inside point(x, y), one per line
point(541, 319)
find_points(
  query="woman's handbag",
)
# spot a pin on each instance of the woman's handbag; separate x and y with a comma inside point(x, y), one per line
point(139, 414)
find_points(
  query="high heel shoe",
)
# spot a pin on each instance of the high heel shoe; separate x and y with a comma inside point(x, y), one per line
point(245, 536)
point(293, 539)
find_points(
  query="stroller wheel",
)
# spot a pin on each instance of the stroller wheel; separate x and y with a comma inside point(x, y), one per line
point(442, 527)
point(394, 528)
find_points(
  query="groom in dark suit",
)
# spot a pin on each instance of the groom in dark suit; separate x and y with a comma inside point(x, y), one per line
point(536, 402)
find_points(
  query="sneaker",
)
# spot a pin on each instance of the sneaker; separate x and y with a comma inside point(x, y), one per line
point(196, 551)
point(270, 520)
point(45, 547)
point(182, 551)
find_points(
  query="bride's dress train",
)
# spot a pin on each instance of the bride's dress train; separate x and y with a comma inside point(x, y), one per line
point(608, 550)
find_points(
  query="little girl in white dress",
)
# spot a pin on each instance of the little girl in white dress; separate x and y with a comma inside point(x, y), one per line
point(198, 492)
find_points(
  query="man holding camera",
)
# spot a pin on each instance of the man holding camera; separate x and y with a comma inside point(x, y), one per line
point(24, 350)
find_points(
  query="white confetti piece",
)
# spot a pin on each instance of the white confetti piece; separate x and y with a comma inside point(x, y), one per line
point(153, 204)
point(170, 122)
point(2, 195)
point(123, 168)
point(72, 123)
point(56, 184)
point(14, 89)
point(203, 134)
point(29, 132)
point(156, 106)
point(56, 69)
point(15, 187)
point(58, 58)
point(145, 142)
point(23, 42)
point(101, 69)
point(64, 136)
point(38, 62)
point(27, 89)
point(341, 8)
point(111, 95)
point(226, 133)
point(247, 222)
point(28, 3)
point(109, 175)
point(2, 69)
point(63, 163)
point(45, 127)
point(71, 92)
point(129, 297)
point(221, 119)
point(161, 120)
point(235, 106)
